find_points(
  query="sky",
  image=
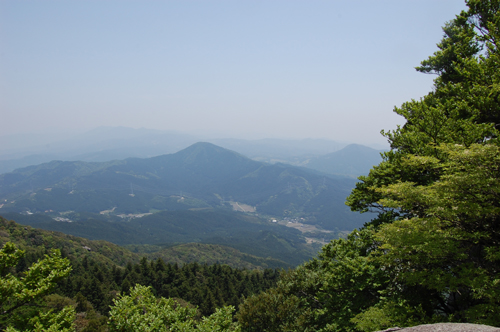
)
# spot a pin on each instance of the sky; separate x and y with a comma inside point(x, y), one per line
point(240, 68)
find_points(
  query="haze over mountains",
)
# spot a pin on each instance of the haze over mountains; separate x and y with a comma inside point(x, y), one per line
point(353, 160)
point(110, 143)
point(143, 187)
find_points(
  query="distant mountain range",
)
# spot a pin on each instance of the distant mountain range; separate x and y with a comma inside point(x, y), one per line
point(353, 160)
point(200, 176)
point(115, 143)
point(98, 145)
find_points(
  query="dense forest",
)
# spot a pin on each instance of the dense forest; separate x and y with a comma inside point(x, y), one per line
point(431, 254)
point(92, 280)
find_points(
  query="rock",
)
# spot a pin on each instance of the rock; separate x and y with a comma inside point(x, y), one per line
point(446, 327)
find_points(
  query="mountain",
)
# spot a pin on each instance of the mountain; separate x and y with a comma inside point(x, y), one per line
point(353, 160)
point(200, 176)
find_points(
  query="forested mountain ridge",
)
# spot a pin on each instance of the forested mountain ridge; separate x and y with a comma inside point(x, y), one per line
point(252, 237)
point(33, 240)
point(200, 176)
point(36, 232)
point(100, 144)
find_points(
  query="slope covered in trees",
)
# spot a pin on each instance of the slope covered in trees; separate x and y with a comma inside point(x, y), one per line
point(284, 246)
point(36, 241)
point(86, 283)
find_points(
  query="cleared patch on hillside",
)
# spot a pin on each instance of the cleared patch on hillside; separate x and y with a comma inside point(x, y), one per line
point(242, 207)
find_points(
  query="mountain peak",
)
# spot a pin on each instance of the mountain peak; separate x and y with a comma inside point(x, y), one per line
point(353, 160)
point(204, 145)
point(204, 151)
point(358, 147)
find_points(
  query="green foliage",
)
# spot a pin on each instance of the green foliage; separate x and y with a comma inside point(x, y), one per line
point(141, 311)
point(50, 321)
point(439, 265)
point(388, 314)
point(321, 295)
point(221, 320)
point(18, 292)
point(94, 280)
point(450, 246)
point(463, 109)
point(273, 310)
point(36, 241)
point(208, 287)
point(437, 189)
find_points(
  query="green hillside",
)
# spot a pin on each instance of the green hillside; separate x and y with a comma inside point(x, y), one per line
point(250, 235)
point(213, 254)
point(95, 277)
point(28, 232)
point(37, 241)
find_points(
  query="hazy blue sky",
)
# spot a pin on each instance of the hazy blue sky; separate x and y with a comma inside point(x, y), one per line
point(250, 69)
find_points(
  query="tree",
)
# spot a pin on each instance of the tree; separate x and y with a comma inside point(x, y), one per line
point(436, 191)
point(141, 311)
point(432, 251)
point(464, 107)
point(18, 295)
point(276, 309)
point(451, 245)
point(321, 295)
